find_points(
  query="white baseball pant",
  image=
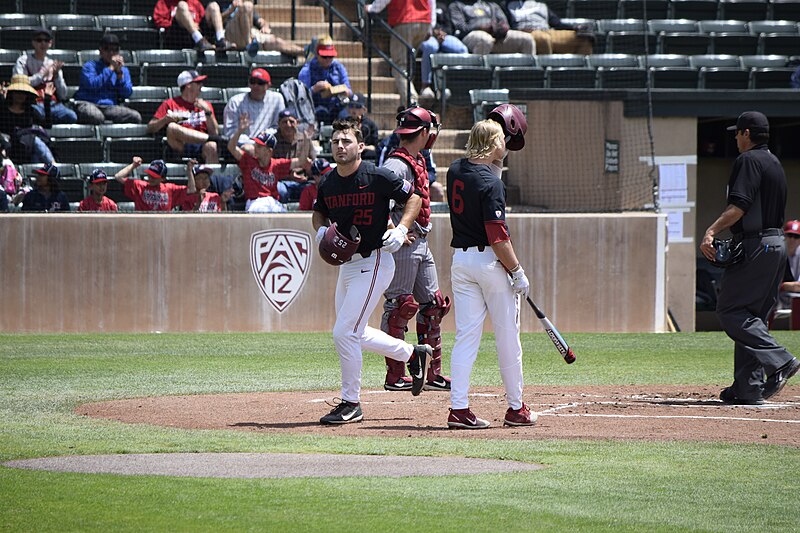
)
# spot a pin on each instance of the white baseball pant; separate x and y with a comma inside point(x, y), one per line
point(480, 285)
point(359, 289)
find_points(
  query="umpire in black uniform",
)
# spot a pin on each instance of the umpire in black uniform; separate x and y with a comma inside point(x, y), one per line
point(749, 289)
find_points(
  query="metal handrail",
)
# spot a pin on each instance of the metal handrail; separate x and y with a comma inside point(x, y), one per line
point(363, 32)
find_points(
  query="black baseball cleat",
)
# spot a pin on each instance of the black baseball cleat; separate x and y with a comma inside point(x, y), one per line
point(777, 381)
point(418, 367)
point(440, 383)
point(728, 397)
point(344, 413)
point(402, 384)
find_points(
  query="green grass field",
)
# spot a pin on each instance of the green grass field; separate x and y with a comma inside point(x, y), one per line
point(587, 485)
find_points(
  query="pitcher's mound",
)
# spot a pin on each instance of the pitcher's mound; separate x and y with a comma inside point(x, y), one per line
point(270, 465)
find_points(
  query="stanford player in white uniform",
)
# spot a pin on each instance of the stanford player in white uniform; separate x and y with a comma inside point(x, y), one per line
point(357, 194)
point(486, 275)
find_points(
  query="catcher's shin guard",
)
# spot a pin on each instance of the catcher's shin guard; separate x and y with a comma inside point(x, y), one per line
point(397, 312)
point(429, 330)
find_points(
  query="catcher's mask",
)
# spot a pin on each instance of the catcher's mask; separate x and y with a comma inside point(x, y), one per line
point(414, 119)
point(514, 123)
point(728, 252)
point(335, 248)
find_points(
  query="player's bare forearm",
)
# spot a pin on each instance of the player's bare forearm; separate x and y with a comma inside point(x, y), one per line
point(504, 251)
point(411, 210)
point(318, 220)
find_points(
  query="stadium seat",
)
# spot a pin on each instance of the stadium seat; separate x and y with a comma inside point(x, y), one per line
point(10, 19)
point(618, 71)
point(145, 99)
point(730, 37)
point(768, 72)
point(513, 71)
point(720, 72)
point(9, 56)
point(684, 43)
point(592, 9)
point(779, 27)
point(228, 75)
point(134, 69)
point(783, 44)
point(673, 26)
point(67, 170)
point(567, 71)
point(693, 9)
point(135, 32)
point(75, 38)
point(459, 73)
point(76, 143)
point(670, 71)
point(743, 9)
point(65, 131)
point(230, 92)
point(140, 7)
point(72, 65)
point(483, 99)
point(16, 38)
point(69, 21)
point(122, 149)
point(161, 67)
point(41, 7)
point(785, 10)
point(656, 9)
point(98, 7)
point(638, 41)
point(214, 96)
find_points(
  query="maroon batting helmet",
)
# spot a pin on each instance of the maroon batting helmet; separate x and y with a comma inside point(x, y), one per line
point(514, 123)
point(413, 119)
point(335, 248)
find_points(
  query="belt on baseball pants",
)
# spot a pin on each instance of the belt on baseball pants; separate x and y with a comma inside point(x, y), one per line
point(769, 232)
point(473, 248)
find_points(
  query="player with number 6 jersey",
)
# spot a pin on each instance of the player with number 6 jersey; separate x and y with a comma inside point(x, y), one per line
point(355, 197)
point(486, 275)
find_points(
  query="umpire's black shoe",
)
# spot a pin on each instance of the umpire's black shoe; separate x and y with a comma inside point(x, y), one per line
point(418, 367)
point(727, 396)
point(777, 381)
point(344, 413)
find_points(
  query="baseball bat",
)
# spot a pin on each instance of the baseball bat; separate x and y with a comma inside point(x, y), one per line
point(559, 342)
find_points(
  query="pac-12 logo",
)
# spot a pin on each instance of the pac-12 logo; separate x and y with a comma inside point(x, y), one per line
point(280, 261)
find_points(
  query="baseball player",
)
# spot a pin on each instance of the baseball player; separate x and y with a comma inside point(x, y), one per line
point(415, 273)
point(486, 275)
point(350, 216)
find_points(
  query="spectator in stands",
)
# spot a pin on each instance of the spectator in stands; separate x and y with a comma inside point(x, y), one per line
point(191, 125)
point(189, 15)
point(412, 20)
point(292, 144)
point(357, 107)
point(484, 28)
point(42, 71)
point(791, 283)
point(10, 181)
point(439, 43)
point(105, 83)
point(319, 171)
point(260, 171)
point(199, 198)
point(46, 195)
point(327, 78)
point(97, 199)
point(551, 35)
point(27, 141)
point(246, 29)
point(260, 105)
point(154, 194)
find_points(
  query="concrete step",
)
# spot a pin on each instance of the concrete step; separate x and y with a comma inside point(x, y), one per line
point(357, 67)
point(306, 30)
point(282, 13)
point(379, 84)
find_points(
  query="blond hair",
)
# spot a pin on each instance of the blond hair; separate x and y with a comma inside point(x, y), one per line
point(484, 137)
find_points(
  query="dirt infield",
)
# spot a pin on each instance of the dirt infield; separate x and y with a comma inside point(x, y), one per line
point(655, 412)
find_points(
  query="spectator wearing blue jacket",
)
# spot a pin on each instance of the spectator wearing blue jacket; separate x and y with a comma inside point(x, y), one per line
point(105, 82)
point(321, 74)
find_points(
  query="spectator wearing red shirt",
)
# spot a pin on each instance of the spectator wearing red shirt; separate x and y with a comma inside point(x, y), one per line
point(153, 194)
point(261, 172)
point(188, 14)
point(319, 171)
point(191, 125)
point(198, 198)
point(97, 199)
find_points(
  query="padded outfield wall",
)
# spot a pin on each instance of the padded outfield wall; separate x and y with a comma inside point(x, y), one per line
point(191, 273)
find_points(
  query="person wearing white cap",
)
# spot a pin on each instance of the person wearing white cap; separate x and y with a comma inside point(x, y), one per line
point(190, 124)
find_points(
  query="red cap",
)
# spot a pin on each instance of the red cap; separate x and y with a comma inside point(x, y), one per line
point(261, 74)
point(792, 227)
point(326, 50)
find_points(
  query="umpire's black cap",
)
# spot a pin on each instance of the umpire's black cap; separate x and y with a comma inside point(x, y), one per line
point(751, 120)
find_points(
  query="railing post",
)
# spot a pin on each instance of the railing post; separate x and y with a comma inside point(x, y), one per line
point(294, 20)
point(330, 18)
point(368, 21)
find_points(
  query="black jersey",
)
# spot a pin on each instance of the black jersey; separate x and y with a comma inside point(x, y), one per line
point(362, 200)
point(475, 196)
point(758, 187)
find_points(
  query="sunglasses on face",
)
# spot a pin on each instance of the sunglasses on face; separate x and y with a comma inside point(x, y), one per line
point(43, 39)
point(792, 236)
point(256, 81)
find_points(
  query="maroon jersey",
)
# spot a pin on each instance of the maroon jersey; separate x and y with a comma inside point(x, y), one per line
point(261, 181)
point(89, 204)
point(362, 200)
point(149, 197)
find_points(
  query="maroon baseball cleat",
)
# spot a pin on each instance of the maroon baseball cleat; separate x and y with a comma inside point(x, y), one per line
point(519, 417)
point(465, 419)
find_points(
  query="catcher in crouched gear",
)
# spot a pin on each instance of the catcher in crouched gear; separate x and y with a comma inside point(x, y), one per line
point(486, 275)
point(415, 274)
point(350, 216)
